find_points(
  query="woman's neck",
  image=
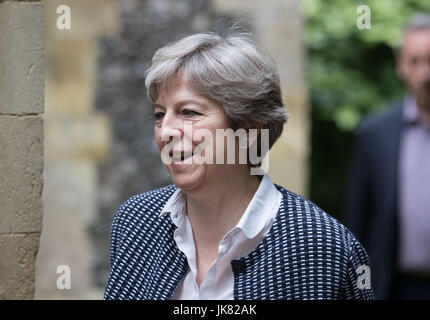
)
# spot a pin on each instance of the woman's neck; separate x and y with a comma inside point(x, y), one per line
point(217, 207)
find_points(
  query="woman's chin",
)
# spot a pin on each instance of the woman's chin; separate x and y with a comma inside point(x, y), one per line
point(185, 184)
point(187, 181)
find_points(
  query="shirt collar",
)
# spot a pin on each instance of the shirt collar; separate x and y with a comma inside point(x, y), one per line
point(410, 111)
point(253, 220)
point(175, 207)
point(256, 215)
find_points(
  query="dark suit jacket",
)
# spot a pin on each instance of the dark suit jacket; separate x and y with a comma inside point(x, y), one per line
point(372, 197)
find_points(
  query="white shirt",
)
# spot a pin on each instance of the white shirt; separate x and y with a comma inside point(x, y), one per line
point(238, 242)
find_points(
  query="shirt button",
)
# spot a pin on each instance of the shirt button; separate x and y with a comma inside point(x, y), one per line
point(222, 251)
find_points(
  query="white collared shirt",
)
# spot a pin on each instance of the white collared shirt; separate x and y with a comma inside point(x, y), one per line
point(238, 242)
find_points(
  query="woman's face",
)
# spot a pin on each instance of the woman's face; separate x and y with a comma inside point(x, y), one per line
point(179, 114)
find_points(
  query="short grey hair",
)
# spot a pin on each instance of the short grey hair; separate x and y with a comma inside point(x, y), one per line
point(418, 21)
point(230, 69)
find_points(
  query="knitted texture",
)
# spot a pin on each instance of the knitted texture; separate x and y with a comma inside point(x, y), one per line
point(306, 254)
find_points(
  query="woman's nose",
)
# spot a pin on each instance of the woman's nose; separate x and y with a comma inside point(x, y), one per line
point(171, 128)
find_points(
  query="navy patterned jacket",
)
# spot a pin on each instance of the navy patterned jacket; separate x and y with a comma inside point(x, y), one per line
point(305, 255)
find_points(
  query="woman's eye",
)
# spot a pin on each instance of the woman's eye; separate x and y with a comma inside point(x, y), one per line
point(189, 113)
point(158, 115)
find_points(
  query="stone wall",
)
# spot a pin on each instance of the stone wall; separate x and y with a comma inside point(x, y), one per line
point(21, 144)
point(77, 139)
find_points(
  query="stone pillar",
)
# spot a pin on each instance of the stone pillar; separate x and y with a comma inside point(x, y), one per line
point(278, 25)
point(21, 145)
point(77, 139)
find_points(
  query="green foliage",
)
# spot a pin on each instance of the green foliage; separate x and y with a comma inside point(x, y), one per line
point(351, 71)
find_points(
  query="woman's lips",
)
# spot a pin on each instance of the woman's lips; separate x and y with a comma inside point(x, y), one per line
point(182, 158)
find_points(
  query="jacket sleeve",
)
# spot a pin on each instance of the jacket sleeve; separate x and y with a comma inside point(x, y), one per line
point(118, 228)
point(114, 234)
point(117, 233)
point(357, 282)
point(357, 200)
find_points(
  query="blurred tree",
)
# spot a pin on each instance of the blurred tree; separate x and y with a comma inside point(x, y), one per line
point(350, 72)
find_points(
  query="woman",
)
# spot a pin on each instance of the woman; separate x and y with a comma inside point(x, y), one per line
point(220, 232)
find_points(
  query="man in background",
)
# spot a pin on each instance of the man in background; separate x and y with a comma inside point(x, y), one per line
point(388, 205)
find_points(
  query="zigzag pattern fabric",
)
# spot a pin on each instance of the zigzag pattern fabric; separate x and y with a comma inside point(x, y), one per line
point(306, 254)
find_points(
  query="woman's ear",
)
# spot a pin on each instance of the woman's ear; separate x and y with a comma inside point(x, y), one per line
point(253, 134)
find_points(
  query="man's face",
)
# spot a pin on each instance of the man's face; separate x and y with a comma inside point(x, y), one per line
point(413, 64)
